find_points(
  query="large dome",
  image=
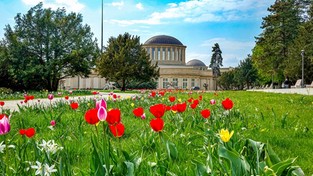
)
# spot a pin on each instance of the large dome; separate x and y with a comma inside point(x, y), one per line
point(163, 39)
point(195, 62)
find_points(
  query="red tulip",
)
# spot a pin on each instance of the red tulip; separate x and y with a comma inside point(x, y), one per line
point(91, 116)
point(200, 97)
point(227, 104)
point(153, 93)
point(30, 132)
point(171, 98)
point(181, 107)
point(22, 131)
point(162, 93)
point(117, 129)
point(1, 103)
point(114, 116)
point(190, 100)
point(66, 97)
point(74, 105)
point(138, 112)
point(196, 101)
point(158, 110)
point(193, 105)
point(205, 113)
point(114, 96)
point(157, 124)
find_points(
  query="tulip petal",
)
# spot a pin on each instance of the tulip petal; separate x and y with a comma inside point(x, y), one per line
point(103, 103)
point(102, 114)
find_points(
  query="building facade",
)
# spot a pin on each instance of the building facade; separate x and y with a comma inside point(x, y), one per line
point(175, 73)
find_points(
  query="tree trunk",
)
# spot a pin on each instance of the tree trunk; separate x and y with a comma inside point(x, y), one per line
point(123, 85)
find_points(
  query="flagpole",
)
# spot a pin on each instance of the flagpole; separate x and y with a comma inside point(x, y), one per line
point(101, 25)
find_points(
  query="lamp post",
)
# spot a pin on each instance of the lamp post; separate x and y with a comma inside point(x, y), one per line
point(302, 81)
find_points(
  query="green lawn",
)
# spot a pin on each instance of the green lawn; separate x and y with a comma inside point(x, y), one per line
point(188, 144)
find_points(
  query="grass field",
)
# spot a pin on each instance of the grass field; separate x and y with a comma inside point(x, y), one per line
point(187, 145)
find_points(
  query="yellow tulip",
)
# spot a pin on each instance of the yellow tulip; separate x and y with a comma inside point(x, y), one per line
point(225, 135)
point(179, 100)
point(132, 104)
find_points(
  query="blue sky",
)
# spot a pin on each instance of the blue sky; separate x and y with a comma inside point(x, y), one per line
point(198, 24)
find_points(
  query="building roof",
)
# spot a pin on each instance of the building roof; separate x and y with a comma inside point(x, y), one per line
point(163, 39)
point(195, 62)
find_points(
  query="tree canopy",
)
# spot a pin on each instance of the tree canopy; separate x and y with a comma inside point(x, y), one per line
point(46, 46)
point(286, 31)
point(125, 60)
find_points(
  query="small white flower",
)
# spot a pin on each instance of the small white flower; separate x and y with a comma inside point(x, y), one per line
point(43, 169)
point(51, 127)
point(38, 168)
point(49, 146)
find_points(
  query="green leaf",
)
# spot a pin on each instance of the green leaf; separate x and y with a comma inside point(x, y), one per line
point(130, 168)
point(238, 164)
point(200, 168)
point(271, 156)
point(171, 150)
point(282, 166)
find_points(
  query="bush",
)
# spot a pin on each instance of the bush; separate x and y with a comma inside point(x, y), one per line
point(4, 90)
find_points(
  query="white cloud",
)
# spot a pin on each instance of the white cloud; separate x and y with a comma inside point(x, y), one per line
point(198, 11)
point(32, 2)
point(69, 5)
point(139, 6)
point(118, 4)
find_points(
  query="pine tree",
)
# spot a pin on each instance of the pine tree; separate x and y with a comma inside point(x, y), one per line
point(280, 28)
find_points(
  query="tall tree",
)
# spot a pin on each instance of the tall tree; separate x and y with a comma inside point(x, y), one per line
point(280, 28)
point(247, 73)
point(46, 46)
point(125, 60)
point(304, 41)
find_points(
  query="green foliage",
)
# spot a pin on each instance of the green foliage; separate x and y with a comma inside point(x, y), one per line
point(46, 46)
point(286, 31)
point(125, 60)
point(243, 76)
point(280, 28)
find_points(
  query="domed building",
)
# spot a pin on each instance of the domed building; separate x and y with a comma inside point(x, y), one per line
point(169, 52)
point(175, 73)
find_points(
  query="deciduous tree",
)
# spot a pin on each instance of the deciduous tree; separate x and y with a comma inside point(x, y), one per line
point(125, 60)
point(46, 46)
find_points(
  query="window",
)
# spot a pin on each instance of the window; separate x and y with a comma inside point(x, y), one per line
point(175, 82)
point(163, 54)
point(173, 54)
point(192, 82)
point(169, 54)
point(165, 83)
point(153, 53)
point(159, 53)
point(185, 83)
